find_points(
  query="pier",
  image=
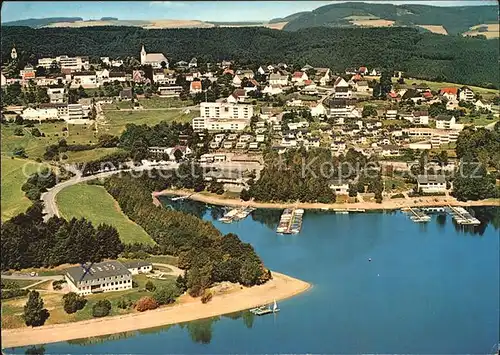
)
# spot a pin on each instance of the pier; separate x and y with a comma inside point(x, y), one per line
point(417, 215)
point(180, 198)
point(462, 216)
point(236, 214)
point(290, 221)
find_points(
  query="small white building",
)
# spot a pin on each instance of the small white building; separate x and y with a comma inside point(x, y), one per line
point(340, 187)
point(138, 267)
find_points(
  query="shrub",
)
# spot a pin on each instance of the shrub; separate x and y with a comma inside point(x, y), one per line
point(207, 296)
point(57, 284)
point(146, 303)
point(150, 286)
point(166, 295)
point(124, 304)
point(73, 302)
point(101, 308)
point(34, 314)
point(6, 294)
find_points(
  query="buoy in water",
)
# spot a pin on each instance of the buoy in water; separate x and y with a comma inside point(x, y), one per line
point(378, 274)
point(369, 259)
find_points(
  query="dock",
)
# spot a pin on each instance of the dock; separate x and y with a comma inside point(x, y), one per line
point(180, 198)
point(462, 216)
point(236, 214)
point(417, 215)
point(290, 221)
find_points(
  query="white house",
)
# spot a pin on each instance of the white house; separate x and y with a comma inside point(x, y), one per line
point(237, 80)
point(299, 77)
point(4, 80)
point(40, 114)
point(466, 94)
point(431, 183)
point(153, 59)
point(138, 267)
point(420, 118)
point(445, 122)
point(195, 87)
point(318, 110)
point(322, 76)
point(274, 89)
point(341, 88)
point(278, 79)
point(340, 187)
point(87, 80)
point(480, 105)
point(449, 94)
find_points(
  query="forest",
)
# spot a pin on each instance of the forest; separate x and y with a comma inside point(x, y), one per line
point(28, 241)
point(422, 55)
point(479, 153)
point(202, 250)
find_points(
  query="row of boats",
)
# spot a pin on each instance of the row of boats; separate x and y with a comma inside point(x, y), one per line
point(236, 214)
point(290, 221)
point(459, 214)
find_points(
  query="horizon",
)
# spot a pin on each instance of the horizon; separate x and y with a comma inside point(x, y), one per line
point(238, 11)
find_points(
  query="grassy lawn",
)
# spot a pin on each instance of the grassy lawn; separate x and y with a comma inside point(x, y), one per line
point(399, 184)
point(15, 172)
point(116, 120)
point(141, 280)
point(164, 102)
point(20, 282)
point(163, 259)
point(88, 155)
point(35, 146)
point(433, 85)
point(118, 105)
point(481, 121)
point(94, 203)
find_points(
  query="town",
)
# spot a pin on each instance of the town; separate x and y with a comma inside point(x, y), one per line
point(239, 111)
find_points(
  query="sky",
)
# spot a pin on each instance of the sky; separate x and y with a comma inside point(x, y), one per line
point(182, 10)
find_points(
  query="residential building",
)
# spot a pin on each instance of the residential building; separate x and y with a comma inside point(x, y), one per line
point(390, 150)
point(153, 59)
point(449, 94)
point(299, 77)
point(237, 80)
point(99, 277)
point(341, 88)
point(56, 94)
point(238, 95)
point(126, 94)
point(117, 76)
point(170, 91)
point(342, 108)
point(88, 80)
point(431, 183)
point(40, 114)
point(322, 76)
point(195, 87)
point(274, 89)
point(138, 267)
point(278, 79)
point(466, 94)
point(72, 64)
point(340, 187)
point(480, 105)
point(193, 63)
point(28, 72)
point(420, 118)
point(362, 86)
point(391, 114)
point(445, 122)
point(75, 112)
point(170, 151)
point(245, 73)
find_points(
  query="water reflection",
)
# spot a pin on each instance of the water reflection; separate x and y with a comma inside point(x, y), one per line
point(105, 338)
point(35, 350)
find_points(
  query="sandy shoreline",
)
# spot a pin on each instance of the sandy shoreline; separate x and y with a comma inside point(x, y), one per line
point(279, 288)
point(391, 204)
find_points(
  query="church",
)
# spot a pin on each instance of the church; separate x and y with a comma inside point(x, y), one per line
point(153, 59)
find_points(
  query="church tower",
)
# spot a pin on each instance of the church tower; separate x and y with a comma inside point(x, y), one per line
point(13, 53)
point(143, 55)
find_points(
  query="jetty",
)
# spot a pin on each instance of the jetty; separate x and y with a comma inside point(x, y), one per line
point(290, 221)
point(180, 198)
point(262, 310)
point(236, 214)
point(462, 216)
point(417, 215)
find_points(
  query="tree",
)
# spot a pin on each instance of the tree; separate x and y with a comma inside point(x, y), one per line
point(245, 195)
point(385, 83)
point(166, 294)
point(146, 303)
point(35, 132)
point(180, 282)
point(101, 308)
point(73, 302)
point(250, 272)
point(18, 131)
point(150, 286)
point(369, 111)
point(34, 314)
point(178, 155)
point(207, 297)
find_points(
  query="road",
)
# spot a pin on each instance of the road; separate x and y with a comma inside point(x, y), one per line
point(34, 278)
point(49, 197)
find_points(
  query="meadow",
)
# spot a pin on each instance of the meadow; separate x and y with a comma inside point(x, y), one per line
point(14, 174)
point(95, 204)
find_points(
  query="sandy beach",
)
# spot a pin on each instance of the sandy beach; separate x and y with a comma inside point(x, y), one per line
point(390, 204)
point(188, 309)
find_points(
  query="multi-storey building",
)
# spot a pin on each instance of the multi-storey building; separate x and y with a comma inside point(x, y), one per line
point(219, 116)
point(100, 277)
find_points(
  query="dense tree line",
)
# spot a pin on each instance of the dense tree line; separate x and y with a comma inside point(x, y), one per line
point(478, 151)
point(28, 241)
point(206, 254)
point(422, 55)
point(305, 175)
point(39, 182)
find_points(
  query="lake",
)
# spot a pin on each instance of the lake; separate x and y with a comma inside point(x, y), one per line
point(429, 288)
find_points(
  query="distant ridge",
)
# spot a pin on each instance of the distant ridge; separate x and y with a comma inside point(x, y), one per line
point(40, 22)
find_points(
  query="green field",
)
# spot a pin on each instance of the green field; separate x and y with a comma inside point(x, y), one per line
point(162, 102)
point(433, 85)
point(116, 120)
point(94, 203)
point(88, 155)
point(15, 172)
point(35, 146)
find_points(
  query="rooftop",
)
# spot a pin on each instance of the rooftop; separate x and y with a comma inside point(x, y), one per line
point(97, 271)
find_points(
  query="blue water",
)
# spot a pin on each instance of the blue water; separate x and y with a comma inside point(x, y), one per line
point(430, 288)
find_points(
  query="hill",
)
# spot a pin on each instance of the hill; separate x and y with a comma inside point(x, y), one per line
point(288, 18)
point(455, 20)
point(430, 56)
point(40, 22)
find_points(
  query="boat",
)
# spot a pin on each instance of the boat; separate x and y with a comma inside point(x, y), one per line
point(265, 309)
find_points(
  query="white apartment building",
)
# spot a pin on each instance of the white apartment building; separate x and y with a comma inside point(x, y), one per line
point(56, 95)
point(220, 116)
point(170, 91)
point(40, 114)
point(99, 277)
point(466, 94)
point(72, 64)
point(278, 79)
point(75, 112)
point(87, 80)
